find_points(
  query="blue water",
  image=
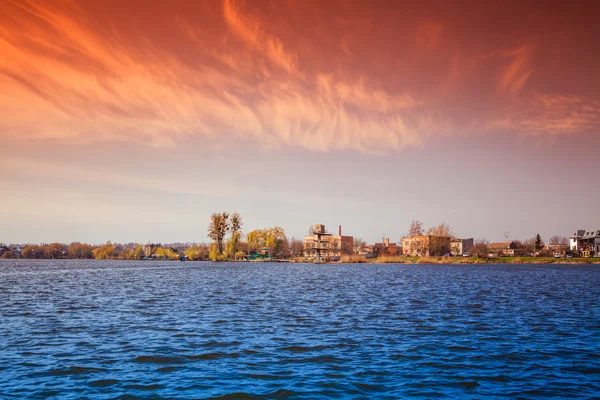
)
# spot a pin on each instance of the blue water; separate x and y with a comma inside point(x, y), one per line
point(106, 329)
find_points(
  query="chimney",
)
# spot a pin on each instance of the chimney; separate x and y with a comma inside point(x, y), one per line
point(387, 242)
point(339, 230)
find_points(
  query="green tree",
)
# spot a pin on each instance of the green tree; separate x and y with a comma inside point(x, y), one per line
point(538, 242)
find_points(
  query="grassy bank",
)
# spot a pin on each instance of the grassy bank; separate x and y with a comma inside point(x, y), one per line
point(467, 260)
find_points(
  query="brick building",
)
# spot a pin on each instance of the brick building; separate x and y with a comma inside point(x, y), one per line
point(386, 248)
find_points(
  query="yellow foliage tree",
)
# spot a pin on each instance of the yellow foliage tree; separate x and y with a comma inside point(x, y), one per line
point(105, 252)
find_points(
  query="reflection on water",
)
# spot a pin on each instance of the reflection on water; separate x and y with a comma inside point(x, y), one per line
point(178, 330)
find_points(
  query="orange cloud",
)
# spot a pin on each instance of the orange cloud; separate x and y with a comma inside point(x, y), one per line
point(518, 71)
point(65, 74)
point(88, 87)
point(251, 31)
point(561, 115)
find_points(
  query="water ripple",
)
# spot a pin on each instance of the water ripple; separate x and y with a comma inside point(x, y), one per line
point(128, 330)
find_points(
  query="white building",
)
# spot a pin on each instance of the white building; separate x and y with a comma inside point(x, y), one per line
point(586, 242)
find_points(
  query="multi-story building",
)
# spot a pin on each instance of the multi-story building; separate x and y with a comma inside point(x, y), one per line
point(586, 243)
point(426, 245)
point(327, 246)
point(459, 247)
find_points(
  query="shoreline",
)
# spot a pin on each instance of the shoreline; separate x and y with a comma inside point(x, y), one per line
point(382, 260)
point(472, 260)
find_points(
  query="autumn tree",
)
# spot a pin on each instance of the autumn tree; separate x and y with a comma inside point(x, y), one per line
point(276, 241)
point(57, 250)
point(197, 252)
point(256, 239)
point(236, 233)
point(80, 250)
point(167, 253)
point(105, 252)
point(32, 251)
point(218, 228)
point(138, 254)
point(272, 238)
point(440, 237)
point(214, 254)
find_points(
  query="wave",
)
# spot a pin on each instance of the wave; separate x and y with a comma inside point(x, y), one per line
point(158, 360)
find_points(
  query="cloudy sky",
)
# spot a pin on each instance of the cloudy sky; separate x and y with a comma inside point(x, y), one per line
point(134, 120)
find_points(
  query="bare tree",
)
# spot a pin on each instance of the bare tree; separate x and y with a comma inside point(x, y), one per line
point(557, 240)
point(296, 247)
point(442, 229)
point(359, 245)
point(480, 248)
point(416, 229)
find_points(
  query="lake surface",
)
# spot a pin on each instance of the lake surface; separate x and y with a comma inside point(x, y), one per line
point(107, 329)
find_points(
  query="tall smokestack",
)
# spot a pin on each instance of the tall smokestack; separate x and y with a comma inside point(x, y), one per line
point(387, 242)
point(339, 230)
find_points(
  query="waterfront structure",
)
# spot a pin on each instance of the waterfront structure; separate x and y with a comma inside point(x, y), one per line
point(426, 245)
point(386, 248)
point(586, 242)
point(322, 244)
point(458, 247)
point(504, 249)
point(264, 255)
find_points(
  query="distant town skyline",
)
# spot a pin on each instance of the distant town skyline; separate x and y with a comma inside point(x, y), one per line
point(133, 124)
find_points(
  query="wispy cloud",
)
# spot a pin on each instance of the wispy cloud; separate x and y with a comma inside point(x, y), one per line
point(66, 75)
point(68, 81)
point(251, 31)
point(561, 115)
point(514, 76)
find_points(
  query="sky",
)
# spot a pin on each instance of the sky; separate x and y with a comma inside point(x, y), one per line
point(133, 121)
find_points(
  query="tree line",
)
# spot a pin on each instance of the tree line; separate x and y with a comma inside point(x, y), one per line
point(229, 242)
point(108, 251)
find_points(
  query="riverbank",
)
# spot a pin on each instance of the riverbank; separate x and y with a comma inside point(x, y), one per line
point(466, 260)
